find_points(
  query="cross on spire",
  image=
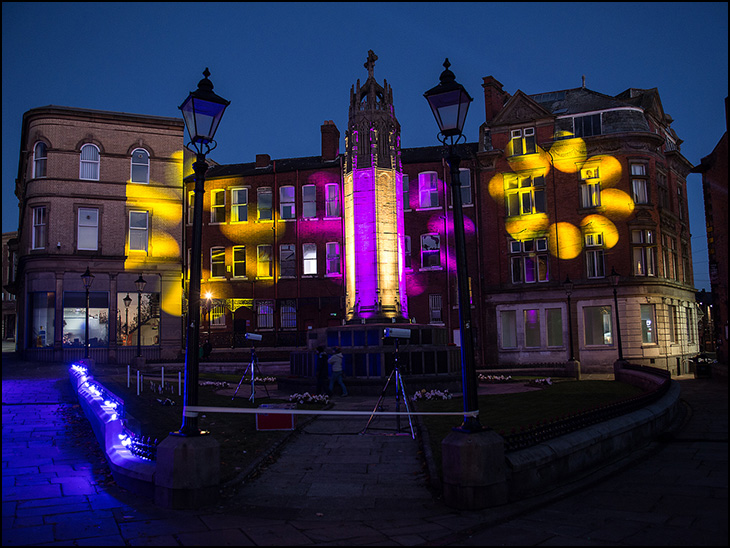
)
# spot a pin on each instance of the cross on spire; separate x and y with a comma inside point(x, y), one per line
point(370, 63)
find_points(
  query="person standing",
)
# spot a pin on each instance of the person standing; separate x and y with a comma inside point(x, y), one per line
point(335, 361)
point(321, 371)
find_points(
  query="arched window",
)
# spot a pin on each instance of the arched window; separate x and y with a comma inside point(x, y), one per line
point(140, 166)
point(89, 167)
point(40, 155)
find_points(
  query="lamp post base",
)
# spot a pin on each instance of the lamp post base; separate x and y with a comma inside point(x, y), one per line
point(188, 472)
point(474, 470)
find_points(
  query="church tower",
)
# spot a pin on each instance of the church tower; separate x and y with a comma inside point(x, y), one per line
point(373, 180)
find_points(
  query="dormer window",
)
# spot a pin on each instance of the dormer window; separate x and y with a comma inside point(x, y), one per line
point(587, 126)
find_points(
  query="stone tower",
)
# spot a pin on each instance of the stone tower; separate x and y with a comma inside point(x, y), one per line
point(374, 236)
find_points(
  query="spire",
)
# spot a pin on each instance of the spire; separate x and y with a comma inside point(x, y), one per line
point(370, 63)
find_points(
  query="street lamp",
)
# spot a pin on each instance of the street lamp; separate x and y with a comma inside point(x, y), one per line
point(202, 112)
point(568, 286)
point(449, 103)
point(127, 301)
point(88, 279)
point(140, 283)
point(614, 281)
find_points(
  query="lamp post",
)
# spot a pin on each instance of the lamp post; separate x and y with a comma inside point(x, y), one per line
point(568, 286)
point(449, 102)
point(127, 301)
point(202, 112)
point(614, 281)
point(88, 279)
point(140, 283)
point(208, 297)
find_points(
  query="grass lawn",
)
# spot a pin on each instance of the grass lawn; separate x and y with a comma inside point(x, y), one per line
point(504, 413)
point(241, 444)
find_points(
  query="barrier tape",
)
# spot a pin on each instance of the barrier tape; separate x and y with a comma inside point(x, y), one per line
point(195, 410)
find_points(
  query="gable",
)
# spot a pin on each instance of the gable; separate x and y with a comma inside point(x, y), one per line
point(520, 109)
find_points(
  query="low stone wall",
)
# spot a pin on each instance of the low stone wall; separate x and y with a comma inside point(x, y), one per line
point(543, 467)
point(129, 471)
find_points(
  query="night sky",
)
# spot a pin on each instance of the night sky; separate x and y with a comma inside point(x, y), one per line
point(288, 67)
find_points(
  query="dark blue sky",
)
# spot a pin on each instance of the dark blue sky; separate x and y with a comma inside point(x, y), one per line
point(288, 67)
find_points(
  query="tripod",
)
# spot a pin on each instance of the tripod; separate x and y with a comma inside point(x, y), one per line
point(253, 367)
point(399, 391)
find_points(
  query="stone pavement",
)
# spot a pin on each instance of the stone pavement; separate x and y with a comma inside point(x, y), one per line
point(332, 485)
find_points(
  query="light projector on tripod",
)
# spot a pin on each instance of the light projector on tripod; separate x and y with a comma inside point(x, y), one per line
point(253, 337)
point(396, 333)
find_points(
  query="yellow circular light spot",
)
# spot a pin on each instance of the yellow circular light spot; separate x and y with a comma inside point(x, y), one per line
point(568, 154)
point(496, 188)
point(566, 240)
point(540, 160)
point(609, 169)
point(527, 227)
point(599, 223)
point(616, 203)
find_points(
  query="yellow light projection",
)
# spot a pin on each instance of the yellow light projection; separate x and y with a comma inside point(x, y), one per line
point(496, 188)
point(616, 203)
point(609, 169)
point(164, 206)
point(599, 223)
point(527, 227)
point(540, 160)
point(569, 154)
point(565, 240)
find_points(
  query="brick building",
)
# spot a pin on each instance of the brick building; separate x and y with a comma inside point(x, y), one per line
point(100, 190)
point(9, 312)
point(714, 171)
point(562, 185)
point(577, 185)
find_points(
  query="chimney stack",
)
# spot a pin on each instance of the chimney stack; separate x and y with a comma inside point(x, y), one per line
point(330, 141)
point(494, 97)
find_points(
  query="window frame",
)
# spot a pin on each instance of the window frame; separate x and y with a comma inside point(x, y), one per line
point(309, 204)
point(88, 227)
point(262, 259)
point(236, 261)
point(527, 142)
point(92, 164)
point(287, 261)
point(435, 252)
point(146, 166)
point(333, 259)
point(269, 211)
point(643, 252)
point(39, 161)
point(309, 259)
point(40, 229)
point(639, 183)
point(333, 201)
point(595, 255)
point(218, 262)
point(287, 203)
point(428, 190)
point(517, 191)
point(144, 230)
point(237, 207)
point(217, 209)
